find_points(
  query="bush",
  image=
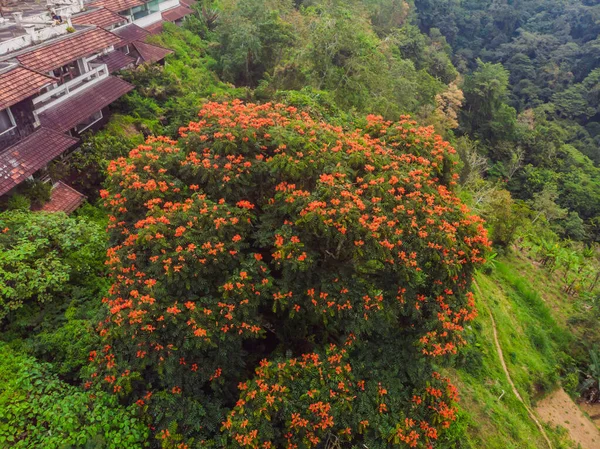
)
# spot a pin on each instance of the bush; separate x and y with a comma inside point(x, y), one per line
point(18, 202)
point(38, 410)
point(44, 257)
point(38, 192)
point(27, 195)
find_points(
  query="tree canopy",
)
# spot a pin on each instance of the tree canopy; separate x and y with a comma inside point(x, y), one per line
point(264, 228)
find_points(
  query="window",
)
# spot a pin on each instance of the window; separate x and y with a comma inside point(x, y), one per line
point(153, 6)
point(67, 72)
point(7, 121)
point(89, 121)
point(139, 11)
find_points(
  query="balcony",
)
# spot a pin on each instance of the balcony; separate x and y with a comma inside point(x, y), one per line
point(70, 88)
point(146, 14)
point(80, 109)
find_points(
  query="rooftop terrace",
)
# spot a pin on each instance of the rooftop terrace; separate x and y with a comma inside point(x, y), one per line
point(27, 22)
point(27, 7)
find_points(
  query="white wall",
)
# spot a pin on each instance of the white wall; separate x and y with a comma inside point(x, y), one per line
point(169, 4)
point(35, 37)
point(148, 20)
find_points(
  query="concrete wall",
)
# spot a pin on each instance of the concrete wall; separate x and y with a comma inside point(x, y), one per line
point(169, 4)
point(33, 37)
point(149, 19)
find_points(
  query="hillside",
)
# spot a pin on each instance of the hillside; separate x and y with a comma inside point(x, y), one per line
point(536, 331)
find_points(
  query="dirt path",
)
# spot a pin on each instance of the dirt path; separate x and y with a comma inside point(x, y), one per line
point(557, 409)
point(510, 381)
point(560, 410)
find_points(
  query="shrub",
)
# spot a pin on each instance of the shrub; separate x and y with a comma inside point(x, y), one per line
point(18, 202)
point(44, 256)
point(38, 410)
point(38, 192)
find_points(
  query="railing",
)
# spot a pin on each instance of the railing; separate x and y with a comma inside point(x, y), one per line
point(70, 88)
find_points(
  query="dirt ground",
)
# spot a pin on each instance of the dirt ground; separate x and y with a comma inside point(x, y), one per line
point(593, 410)
point(558, 409)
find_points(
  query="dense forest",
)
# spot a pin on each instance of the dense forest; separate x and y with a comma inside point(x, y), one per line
point(307, 228)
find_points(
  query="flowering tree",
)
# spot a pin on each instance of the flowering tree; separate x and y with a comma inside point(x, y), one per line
point(304, 401)
point(263, 234)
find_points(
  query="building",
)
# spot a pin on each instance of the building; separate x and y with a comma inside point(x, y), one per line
point(145, 13)
point(57, 78)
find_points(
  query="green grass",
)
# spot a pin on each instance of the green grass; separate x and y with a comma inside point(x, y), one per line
point(534, 344)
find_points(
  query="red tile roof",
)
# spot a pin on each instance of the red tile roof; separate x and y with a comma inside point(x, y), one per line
point(74, 110)
point(130, 33)
point(118, 5)
point(116, 60)
point(26, 157)
point(102, 18)
point(19, 84)
point(63, 199)
point(176, 13)
point(155, 28)
point(188, 3)
point(151, 53)
point(61, 52)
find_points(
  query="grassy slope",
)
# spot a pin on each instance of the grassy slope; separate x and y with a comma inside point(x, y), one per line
point(534, 338)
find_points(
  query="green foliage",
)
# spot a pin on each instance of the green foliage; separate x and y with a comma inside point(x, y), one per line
point(486, 114)
point(534, 346)
point(387, 15)
point(38, 410)
point(18, 202)
point(541, 58)
point(544, 204)
point(44, 257)
point(38, 192)
point(91, 160)
point(253, 38)
point(591, 384)
point(170, 96)
point(430, 53)
point(504, 217)
point(573, 227)
point(29, 194)
point(330, 46)
point(320, 104)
